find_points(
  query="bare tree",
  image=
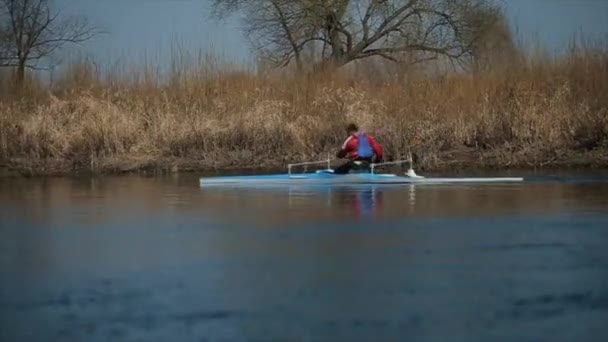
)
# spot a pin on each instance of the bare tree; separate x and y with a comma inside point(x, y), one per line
point(277, 29)
point(348, 30)
point(492, 43)
point(31, 31)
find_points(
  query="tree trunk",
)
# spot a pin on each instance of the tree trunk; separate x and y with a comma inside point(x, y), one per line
point(21, 72)
point(299, 64)
point(330, 64)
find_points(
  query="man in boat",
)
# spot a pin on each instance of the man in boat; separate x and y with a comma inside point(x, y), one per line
point(360, 149)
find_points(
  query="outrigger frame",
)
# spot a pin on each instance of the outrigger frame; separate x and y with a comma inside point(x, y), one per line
point(328, 161)
point(373, 166)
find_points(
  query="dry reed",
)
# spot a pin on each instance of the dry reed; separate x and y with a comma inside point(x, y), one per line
point(204, 115)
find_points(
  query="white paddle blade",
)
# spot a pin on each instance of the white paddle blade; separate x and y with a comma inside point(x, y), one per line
point(412, 174)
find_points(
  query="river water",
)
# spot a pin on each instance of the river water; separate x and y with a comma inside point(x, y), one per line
point(160, 259)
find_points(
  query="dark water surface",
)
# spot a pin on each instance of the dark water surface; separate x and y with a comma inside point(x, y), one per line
point(159, 259)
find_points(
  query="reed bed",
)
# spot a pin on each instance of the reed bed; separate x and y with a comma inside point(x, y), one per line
point(206, 115)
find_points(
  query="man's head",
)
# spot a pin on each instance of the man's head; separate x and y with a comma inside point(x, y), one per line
point(352, 129)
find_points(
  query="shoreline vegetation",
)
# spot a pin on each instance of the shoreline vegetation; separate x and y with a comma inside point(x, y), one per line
point(529, 113)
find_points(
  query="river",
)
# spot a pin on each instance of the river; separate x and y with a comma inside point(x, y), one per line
point(132, 258)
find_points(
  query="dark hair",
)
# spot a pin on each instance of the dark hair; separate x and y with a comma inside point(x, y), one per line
point(352, 128)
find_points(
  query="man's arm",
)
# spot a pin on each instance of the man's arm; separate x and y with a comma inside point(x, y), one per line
point(378, 151)
point(347, 147)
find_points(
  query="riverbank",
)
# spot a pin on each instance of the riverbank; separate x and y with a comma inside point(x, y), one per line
point(531, 114)
point(446, 163)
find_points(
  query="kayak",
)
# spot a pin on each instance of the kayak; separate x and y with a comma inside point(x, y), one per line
point(328, 177)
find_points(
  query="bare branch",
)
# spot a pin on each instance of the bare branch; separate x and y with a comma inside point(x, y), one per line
point(288, 34)
point(427, 29)
point(365, 20)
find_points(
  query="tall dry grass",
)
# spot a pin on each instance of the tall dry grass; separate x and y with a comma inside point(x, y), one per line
point(206, 115)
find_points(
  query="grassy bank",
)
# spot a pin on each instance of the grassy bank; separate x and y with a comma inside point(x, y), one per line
point(529, 114)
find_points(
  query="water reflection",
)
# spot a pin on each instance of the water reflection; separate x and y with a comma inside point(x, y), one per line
point(89, 202)
point(364, 202)
point(287, 205)
point(367, 203)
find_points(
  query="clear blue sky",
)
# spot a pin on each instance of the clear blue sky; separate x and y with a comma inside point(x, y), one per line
point(147, 28)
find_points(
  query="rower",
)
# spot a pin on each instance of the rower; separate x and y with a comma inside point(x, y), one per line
point(360, 149)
